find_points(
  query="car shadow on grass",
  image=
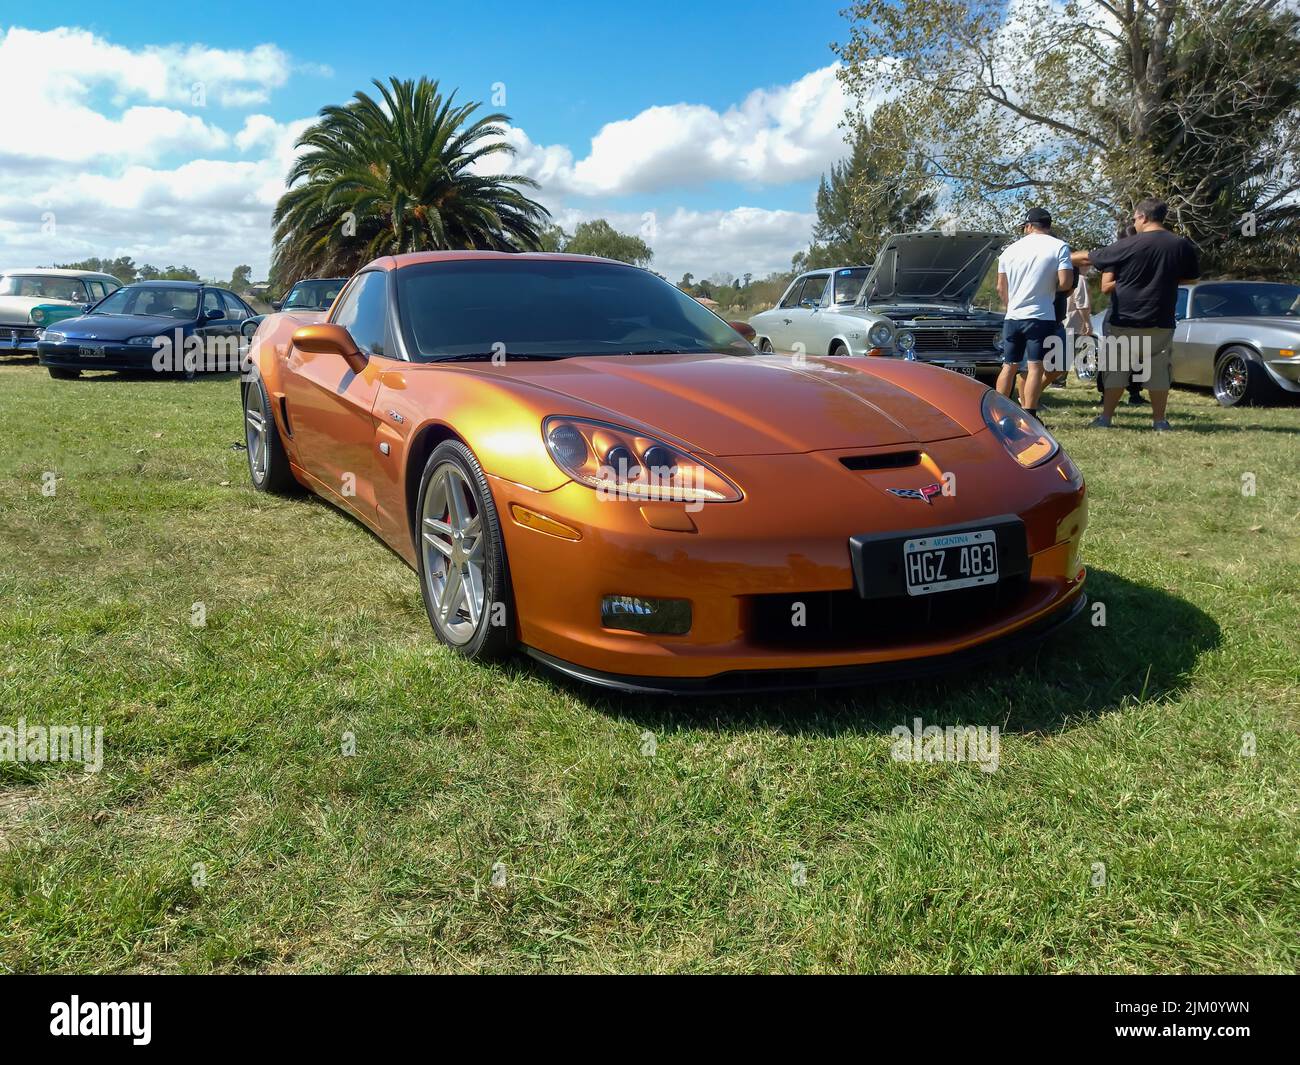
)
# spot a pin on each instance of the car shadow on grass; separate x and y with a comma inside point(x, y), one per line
point(1146, 649)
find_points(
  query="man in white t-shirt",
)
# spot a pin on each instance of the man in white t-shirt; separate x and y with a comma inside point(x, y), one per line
point(1030, 274)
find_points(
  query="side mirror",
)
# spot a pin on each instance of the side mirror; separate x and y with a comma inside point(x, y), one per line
point(249, 327)
point(213, 315)
point(744, 329)
point(330, 339)
point(277, 305)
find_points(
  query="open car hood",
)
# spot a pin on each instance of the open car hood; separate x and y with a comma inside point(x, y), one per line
point(927, 267)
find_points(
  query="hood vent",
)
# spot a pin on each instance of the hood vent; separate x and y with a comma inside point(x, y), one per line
point(890, 460)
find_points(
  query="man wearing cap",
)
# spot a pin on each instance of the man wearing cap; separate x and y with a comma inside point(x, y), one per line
point(1030, 274)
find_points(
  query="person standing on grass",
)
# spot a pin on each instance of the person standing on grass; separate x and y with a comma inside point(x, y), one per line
point(1108, 288)
point(1148, 267)
point(1030, 274)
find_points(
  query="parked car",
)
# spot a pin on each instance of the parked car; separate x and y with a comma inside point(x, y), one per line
point(915, 302)
point(30, 300)
point(583, 463)
point(311, 294)
point(1239, 338)
point(149, 326)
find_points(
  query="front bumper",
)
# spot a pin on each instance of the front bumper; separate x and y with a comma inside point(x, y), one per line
point(771, 680)
point(744, 565)
point(18, 339)
point(96, 355)
point(1285, 371)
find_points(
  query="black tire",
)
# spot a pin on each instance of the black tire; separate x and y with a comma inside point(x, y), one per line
point(492, 634)
point(60, 374)
point(268, 465)
point(765, 346)
point(838, 349)
point(1239, 380)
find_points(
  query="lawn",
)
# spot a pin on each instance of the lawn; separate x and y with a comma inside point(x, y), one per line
point(497, 819)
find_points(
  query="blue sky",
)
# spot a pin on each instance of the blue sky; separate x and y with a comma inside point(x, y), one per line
point(711, 122)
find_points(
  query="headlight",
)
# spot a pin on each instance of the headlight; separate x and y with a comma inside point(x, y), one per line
point(1027, 441)
point(38, 315)
point(627, 464)
point(880, 334)
point(51, 337)
point(141, 342)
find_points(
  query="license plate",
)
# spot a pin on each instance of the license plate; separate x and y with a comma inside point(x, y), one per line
point(90, 353)
point(947, 561)
point(963, 368)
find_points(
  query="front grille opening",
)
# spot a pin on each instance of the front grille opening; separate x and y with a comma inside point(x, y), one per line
point(930, 341)
point(893, 460)
point(844, 620)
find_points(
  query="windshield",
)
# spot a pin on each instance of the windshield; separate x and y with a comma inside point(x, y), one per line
point(68, 289)
point(552, 308)
point(314, 295)
point(1247, 300)
point(154, 301)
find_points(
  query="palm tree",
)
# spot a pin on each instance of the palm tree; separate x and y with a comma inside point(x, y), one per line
point(381, 177)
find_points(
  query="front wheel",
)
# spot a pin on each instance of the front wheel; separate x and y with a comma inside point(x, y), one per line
point(268, 465)
point(1239, 379)
point(462, 559)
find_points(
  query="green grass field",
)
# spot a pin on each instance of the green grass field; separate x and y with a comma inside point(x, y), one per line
point(228, 831)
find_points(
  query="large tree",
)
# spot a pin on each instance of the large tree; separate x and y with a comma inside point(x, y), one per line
point(405, 172)
point(865, 197)
point(1087, 106)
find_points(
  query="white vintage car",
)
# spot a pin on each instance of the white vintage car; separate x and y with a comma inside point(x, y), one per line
point(31, 300)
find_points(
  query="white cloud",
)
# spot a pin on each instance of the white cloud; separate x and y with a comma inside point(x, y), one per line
point(107, 153)
point(772, 137)
point(741, 240)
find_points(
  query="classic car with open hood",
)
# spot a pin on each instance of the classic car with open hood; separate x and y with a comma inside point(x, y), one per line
point(32, 300)
point(916, 302)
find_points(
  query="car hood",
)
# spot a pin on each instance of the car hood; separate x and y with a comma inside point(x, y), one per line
point(1258, 323)
point(118, 326)
point(742, 405)
point(927, 267)
point(19, 308)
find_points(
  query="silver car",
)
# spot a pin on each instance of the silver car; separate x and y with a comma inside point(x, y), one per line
point(916, 302)
point(1240, 338)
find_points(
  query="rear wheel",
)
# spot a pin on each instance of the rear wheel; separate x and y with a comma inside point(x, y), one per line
point(60, 374)
point(268, 465)
point(1239, 379)
point(462, 559)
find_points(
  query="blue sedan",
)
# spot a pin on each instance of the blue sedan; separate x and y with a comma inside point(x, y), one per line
point(178, 327)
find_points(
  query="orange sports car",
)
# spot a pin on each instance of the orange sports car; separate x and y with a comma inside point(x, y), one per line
point(582, 462)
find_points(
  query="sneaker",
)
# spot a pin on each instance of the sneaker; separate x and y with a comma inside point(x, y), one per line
point(1101, 422)
point(1135, 399)
point(1162, 427)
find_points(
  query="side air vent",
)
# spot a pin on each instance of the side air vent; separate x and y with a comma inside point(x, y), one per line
point(890, 460)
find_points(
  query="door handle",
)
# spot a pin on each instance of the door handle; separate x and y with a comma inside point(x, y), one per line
point(787, 321)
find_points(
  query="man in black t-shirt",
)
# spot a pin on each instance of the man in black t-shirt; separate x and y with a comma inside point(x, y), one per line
point(1148, 268)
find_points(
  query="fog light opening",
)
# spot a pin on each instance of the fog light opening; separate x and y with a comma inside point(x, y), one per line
point(634, 613)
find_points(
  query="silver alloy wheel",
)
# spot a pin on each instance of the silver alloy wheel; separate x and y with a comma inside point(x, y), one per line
point(451, 537)
point(1231, 381)
point(257, 434)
